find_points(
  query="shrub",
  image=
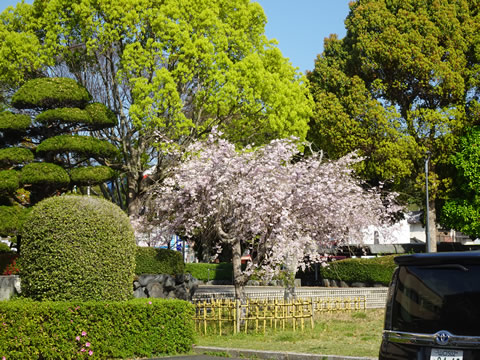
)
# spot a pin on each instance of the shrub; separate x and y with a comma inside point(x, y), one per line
point(205, 272)
point(374, 270)
point(77, 248)
point(158, 261)
point(140, 328)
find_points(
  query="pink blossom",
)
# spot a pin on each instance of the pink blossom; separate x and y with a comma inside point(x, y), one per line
point(82, 350)
point(77, 338)
point(287, 205)
point(84, 333)
point(87, 344)
point(150, 303)
point(90, 352)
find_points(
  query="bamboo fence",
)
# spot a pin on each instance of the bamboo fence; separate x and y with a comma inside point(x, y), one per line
point(223, 315)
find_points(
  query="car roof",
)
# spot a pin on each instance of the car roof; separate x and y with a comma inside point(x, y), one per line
point(457, 257)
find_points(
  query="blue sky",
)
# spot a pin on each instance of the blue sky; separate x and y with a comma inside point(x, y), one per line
point(299, 26)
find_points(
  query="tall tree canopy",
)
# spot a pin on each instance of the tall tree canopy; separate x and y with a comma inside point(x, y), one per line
point(170, 70)
point(281, 207)
point(462, 210)
point(402, 82)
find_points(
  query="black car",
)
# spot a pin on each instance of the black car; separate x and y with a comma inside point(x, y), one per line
point(433, 308)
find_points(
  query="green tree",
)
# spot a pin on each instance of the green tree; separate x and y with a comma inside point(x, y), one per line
point(403, 82)
point(44, 148)
point(170, 70)
point(461, 210)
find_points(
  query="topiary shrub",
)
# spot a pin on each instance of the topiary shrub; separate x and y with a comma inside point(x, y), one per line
point(84, 145)
point(48, 93)
point(158, 261)
point(90, 175)
point(77, 248)
point(14, 122)
point(44, 174)
point(9, 181)
point(15, 155)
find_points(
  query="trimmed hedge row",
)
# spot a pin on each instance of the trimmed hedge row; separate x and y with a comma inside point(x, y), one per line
point(205, 272)
point(95, 330)
point(374, 270)
point(158, 261)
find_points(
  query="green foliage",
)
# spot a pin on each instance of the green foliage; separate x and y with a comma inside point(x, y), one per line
point(44, 174)
point(91, 175)
point(402, 82)
point(461, 210)
point(12, 219)
point(158, 261)
point(15, 155)
point(84, 145)
point(205, 272)
point(138, 328)
point(370, 271)
point(14, 122)
point(49, 93)
point(9, 181)
point(4, 248)
point(77, 248)
point(64, 115)
point(101, 116)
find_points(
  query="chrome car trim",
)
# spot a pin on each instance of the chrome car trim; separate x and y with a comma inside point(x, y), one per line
point(441, 338)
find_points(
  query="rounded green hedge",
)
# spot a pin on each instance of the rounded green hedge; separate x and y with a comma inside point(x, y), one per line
point(49, 93)
point(77, 248)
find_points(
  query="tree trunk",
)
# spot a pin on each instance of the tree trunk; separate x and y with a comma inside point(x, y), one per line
point(238, 278)
point(289, 291)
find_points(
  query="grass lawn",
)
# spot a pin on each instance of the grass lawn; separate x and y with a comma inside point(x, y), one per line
point(348, 334)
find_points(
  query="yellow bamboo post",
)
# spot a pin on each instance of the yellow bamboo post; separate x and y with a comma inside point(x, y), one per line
point(264, 316)
point(256, 317)
point(312, 309)
point(283, 314)
point(205, 317)
point(220, 319)
point(294, 316)
point(247, 314)
point(275, 313)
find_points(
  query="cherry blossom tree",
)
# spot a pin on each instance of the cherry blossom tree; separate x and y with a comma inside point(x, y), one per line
point(273, 201)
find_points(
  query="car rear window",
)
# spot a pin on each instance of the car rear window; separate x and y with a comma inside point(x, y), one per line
point(437, 297)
